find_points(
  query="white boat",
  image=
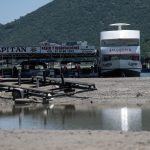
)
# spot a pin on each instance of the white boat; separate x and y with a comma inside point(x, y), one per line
point(120, 52)
point(78, 47)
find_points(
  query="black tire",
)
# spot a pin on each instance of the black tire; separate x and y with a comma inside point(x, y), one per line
point(16, 94)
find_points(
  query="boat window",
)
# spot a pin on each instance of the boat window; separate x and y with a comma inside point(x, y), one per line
point(135, 57)
point(39, 67)
point(106, 58)
point(31, 66)
point(26, 67)
point(119, 42)
point(125, 57)
point(120, 57)
point(115, 57)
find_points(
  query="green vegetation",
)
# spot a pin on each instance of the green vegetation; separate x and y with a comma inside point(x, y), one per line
point(71, 20)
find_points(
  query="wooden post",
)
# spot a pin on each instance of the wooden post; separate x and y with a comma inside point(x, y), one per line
point(19, 77)
point(44, 77)
point(62, 79)
point(45, 100)
point(37, 83)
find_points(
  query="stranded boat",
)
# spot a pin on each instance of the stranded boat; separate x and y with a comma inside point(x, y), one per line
point(120, 52)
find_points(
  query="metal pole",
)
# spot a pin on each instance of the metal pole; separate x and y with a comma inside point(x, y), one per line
point(12, 65)
point(2, 66)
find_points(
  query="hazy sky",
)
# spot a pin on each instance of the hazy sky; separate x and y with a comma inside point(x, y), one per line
point(13, 9)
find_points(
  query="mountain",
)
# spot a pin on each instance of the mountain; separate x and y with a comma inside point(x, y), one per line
point(74, 20)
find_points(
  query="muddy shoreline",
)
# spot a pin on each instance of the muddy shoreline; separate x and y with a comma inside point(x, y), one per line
point(72, 140)
point(123, 91)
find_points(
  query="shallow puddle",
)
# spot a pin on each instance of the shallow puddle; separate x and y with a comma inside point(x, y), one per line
point(70, 117)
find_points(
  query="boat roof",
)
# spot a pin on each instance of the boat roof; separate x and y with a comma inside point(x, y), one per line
point(120, 25)
point(120, 34)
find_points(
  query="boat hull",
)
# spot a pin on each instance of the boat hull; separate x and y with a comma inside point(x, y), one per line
point(121, 73)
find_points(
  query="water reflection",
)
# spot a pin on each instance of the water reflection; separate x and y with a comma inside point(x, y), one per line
point(125, 119)
point(70, 117)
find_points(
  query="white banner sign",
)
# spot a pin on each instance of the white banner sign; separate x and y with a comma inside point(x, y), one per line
point(44, 50)
point(59, 50)
point(121, 50)
point(19, 50)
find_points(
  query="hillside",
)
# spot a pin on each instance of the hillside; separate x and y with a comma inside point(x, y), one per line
point(71, 20)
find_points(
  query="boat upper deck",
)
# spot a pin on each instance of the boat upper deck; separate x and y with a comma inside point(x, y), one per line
point(120, 34)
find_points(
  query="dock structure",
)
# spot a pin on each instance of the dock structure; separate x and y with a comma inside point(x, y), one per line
point(43, 88)
point(65, 83)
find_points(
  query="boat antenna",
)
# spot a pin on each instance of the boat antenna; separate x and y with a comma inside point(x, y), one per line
point(119, 25)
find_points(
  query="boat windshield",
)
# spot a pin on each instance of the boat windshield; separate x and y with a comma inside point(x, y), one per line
point(120, 42)
point(121, 57)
